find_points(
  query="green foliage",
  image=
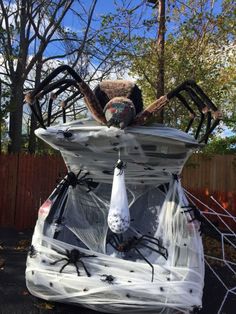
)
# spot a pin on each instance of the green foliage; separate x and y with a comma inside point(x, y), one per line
point(200, 46)
point(225, 145)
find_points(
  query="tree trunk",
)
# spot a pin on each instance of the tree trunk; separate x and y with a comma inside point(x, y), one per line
point(32, 137)
point(160, 91)
point(16, 115)
point(1, 117)
point(33, 120)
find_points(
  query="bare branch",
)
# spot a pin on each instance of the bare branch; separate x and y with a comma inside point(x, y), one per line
point(7, 43)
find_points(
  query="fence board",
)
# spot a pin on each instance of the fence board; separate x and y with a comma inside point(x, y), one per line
point(8, 170)
point(27, 180)
point(205, 176)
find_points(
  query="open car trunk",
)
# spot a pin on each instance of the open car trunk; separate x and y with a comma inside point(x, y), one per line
point(156, 265)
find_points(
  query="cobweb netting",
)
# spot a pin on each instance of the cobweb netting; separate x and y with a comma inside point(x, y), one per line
point(219, 238)
point(144, 280)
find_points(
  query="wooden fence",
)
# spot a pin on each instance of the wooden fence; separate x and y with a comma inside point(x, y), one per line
point(27, 180)
point(215, 176)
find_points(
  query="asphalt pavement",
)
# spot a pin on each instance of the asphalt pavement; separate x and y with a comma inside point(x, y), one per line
point(15, 298)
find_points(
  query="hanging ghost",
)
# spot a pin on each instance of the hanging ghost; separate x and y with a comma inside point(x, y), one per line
point(118, 215)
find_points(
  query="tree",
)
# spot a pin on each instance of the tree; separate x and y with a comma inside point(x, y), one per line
point(22, 25)
point(200, 46)
point(160, 87)
point(30, 28)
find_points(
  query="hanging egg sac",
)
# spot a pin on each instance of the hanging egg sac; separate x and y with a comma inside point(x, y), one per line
point(118, 215)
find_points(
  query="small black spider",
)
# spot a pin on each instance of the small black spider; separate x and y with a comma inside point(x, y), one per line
point(121, 166)
point(196, 213)
point(108, 278)
point(32, 252)
point(66, 134)
point(73, 257)
point(196, 309)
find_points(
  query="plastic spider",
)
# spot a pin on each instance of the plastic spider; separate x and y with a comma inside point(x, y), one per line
point(32, 251)
point(73, 257)
point(121, 166)
point(119, 103)
point(66, 134)
point(74, 180)
point(196, 215)
point(108, 278)
point(143, 241)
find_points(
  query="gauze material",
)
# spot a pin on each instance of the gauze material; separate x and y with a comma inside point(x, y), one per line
point(118, 215)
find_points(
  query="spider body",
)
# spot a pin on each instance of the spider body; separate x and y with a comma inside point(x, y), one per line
point(109, 279)
point(74, 180)
point(121, 165)
point(135, 243)
point(73, 257)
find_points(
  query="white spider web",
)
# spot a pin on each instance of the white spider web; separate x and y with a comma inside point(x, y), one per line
point(220, 254)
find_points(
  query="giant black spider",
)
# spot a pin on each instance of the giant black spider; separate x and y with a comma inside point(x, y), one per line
point(146, 241)
point(119, 103)
point(73, 257)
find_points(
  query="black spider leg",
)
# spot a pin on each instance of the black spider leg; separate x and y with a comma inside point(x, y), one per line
point(55, 85)
point(59, 260)
point(50, 110)
point(151, 241)
point(193, 115)
point(66, 258)
point(211, 129)
point(195, 99)
point(208, 126)
point(62, 84)
point(52, 75)
point(197, 88)
point(68, 262)
point(86, 270)
point(146, 260)
point(210, 106)
point(201, 93)
point(64, 104)
point(200, 105)
point(86, 181)
point(157, 243)
point(61, 194)
point(82, 263)
point(155, 250)
point(200, 99)
point(40, 89)
point(196, 215)
point(36, 110)
point(116, 241)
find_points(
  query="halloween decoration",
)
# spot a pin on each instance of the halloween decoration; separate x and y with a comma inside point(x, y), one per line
point(118, 216)
point(131, 227)
point(119, 103)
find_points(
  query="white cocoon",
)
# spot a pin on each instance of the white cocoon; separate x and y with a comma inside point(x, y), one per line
point(118, 215)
